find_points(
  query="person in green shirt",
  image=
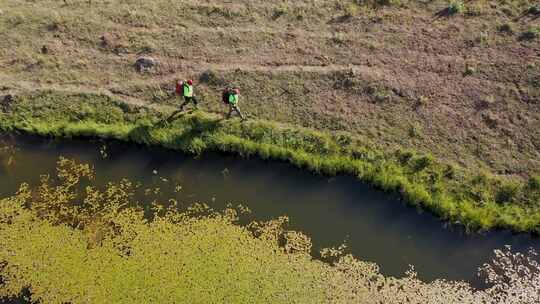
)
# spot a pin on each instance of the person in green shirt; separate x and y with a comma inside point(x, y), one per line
point(233, 103)
point(187, 92)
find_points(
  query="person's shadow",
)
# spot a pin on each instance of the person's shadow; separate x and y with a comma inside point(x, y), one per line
point(174, 115)
point(193, 129)
point(169, 119)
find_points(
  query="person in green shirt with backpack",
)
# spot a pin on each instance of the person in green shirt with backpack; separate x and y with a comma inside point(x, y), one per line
point(185, 89)
point(231, 97)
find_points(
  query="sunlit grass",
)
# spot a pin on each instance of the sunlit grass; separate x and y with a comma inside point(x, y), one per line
point(478, 201)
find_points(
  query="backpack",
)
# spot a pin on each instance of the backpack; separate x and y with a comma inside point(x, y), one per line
point(179, 88)
point(225, 96)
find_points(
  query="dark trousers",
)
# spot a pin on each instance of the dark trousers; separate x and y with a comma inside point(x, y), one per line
point(188, 100)
point(234, 108)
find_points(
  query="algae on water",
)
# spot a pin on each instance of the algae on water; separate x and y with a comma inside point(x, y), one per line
point(64, 244)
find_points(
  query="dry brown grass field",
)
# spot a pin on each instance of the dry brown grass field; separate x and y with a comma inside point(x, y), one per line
point(458, 80)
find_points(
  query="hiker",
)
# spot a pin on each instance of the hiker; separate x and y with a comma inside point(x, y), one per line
point(231, 96)
point(185, 88)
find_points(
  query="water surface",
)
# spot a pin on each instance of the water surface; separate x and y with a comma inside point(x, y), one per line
point(377, 226)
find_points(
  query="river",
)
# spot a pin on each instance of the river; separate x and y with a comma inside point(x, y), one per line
point(377, 226)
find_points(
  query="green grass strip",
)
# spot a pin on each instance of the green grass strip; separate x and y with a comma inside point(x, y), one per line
point(479, 201)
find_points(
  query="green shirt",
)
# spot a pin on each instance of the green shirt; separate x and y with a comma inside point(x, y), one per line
point(233, 98)
point(188, 90)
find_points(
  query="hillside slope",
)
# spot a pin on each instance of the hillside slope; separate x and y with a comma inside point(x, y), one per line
point(464, 86)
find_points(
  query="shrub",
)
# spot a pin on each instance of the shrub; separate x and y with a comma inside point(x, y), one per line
point(507, 192)
point(483, 39)
point(534, 10)
point(379, 94)
point(377, 3)
point(278, 12)
point(488, 100)
point(109, 114)
point(423, 162)
point(351, 10)
point(469, 70)
point(532, 191)
point(531, 34)
point(534, 183)
point(346, 81)
point(343, 140)
point(338, 38)
point(415, 131)
point(15, 19)
point(449, 172)
point(422, 101)
point(389, 2)
point(405, 156)
point(474, 9)
point(505, 28)
point(416, 194)
point(456, 7)
point(196, 146)
point(222, 11)
point(299, 13)
point(212, 78)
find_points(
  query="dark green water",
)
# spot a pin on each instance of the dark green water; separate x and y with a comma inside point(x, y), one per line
point(377, 226)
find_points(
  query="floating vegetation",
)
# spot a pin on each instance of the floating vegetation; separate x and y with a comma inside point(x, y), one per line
point(177, 188)
point(99, 246)
point(225, 172)
point(103, 151)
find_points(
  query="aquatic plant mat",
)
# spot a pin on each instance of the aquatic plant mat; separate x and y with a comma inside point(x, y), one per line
point(477, 200)
point(68, 241)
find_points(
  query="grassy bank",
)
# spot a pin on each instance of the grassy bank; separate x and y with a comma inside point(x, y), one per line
point(64, 245)
point(476, 200)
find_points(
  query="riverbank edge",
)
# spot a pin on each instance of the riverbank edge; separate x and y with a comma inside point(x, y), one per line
point(451, 193)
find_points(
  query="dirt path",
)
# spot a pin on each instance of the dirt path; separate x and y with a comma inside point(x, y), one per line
point(31, 87)
point(18, 86)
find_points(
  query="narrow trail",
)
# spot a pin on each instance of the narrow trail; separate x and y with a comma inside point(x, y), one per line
point(293, 68)
point(31, 87)
point(186, 68)
point(16, 86)
point(27, 87)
